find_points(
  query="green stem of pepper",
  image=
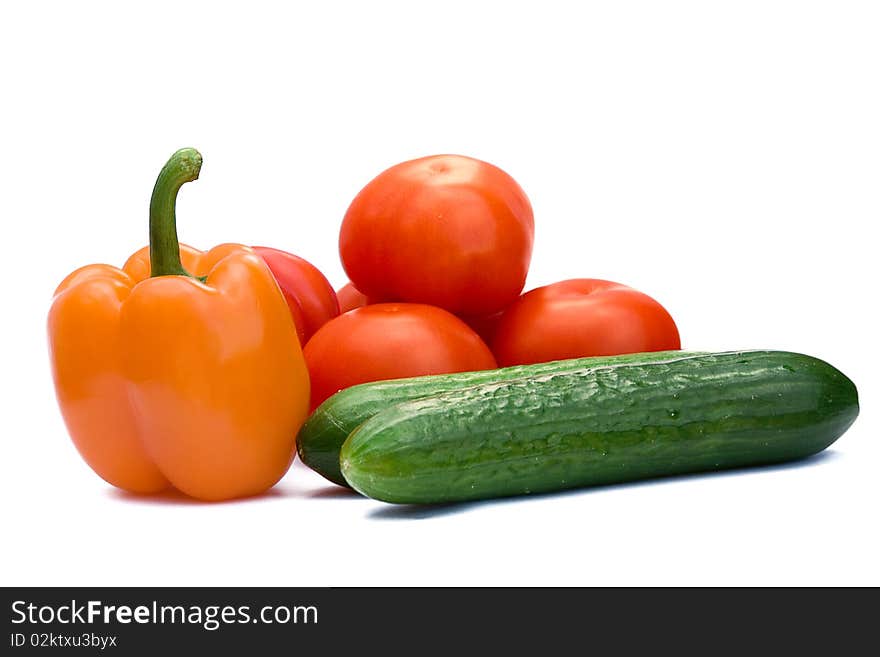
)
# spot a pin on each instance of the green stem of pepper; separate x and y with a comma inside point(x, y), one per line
point(182, 167)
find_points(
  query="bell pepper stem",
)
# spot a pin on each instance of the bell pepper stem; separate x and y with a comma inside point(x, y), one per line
point(181, 168)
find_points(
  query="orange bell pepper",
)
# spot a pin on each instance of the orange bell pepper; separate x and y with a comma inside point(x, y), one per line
point(166, 376)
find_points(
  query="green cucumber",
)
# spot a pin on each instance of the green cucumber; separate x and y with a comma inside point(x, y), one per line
point(323, 433)
point(600, 426)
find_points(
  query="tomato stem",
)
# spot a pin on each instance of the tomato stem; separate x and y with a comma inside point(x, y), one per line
point(182, 167)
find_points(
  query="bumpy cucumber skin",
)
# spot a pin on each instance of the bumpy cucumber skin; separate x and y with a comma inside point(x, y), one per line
point(601, 426)
point(321, 436)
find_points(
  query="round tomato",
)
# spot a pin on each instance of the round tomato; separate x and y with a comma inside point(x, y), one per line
point(390, 341)
point(308, 293)
point(350, 298)
point(445, 230)
point(582, 317)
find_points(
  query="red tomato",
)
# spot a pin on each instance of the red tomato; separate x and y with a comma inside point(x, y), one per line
point(446, 230)
point(582, 317)
point(350, 298)
point(390, 341)
point(308, 293)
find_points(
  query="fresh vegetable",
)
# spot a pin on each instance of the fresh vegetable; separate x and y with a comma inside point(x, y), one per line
point(186, 377)
point(309, 295)
point(350, 298)
point(445, 230)
point(390, 341)
point(324, 432)
point(582, 317)
point(601, 426)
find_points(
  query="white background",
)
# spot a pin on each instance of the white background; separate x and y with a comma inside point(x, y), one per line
point(722, 157)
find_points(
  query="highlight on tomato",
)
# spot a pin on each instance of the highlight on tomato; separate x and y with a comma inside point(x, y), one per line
point(390, 341)
point(582, 317)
